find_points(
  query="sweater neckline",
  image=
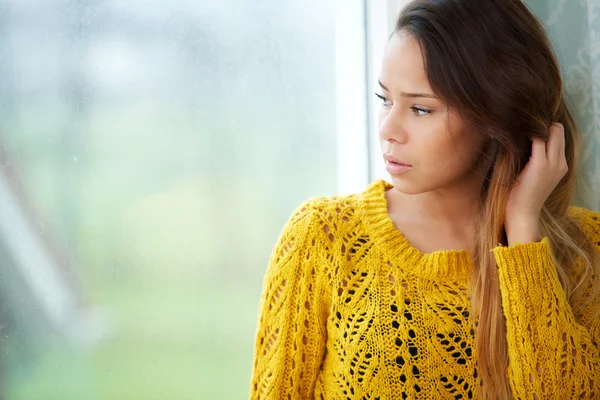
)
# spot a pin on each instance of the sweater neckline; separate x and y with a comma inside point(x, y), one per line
point(451, 263)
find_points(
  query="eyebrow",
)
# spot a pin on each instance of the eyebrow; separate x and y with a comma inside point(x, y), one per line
point(404, 94)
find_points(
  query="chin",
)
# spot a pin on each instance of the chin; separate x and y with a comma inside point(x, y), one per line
point(404, 186)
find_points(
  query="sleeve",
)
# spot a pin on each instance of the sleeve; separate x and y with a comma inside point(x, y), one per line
point(551, 355)
point(293, 310)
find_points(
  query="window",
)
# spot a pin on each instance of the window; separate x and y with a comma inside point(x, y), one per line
point(150, 153)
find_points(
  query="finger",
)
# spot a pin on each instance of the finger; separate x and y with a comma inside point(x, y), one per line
point(556, 143)
point(538, 149)
point(561, 150)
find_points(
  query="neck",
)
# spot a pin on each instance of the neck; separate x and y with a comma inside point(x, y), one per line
point(451, 207)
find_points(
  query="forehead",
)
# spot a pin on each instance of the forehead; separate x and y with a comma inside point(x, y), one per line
point(403, 67)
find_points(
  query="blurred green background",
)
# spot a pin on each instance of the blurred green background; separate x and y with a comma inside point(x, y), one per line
point(157, 148)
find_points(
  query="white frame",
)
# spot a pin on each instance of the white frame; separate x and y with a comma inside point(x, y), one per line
point(378, 33)
point(358, 55)
point(351, 98)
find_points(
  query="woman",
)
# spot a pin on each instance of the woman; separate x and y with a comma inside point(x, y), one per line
point(468, 276)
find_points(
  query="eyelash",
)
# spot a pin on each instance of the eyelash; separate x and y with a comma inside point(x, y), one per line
point(416, 109)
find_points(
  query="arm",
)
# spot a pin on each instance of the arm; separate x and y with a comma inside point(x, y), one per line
point(294, 306)
point(551, 355)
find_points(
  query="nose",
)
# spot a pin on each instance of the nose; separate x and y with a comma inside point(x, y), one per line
point(391, 126)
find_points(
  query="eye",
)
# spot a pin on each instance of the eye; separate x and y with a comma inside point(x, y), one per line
point(383, 99)
point(420, 110)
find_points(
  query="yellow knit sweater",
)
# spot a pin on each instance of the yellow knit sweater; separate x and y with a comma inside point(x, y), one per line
point(350, 310)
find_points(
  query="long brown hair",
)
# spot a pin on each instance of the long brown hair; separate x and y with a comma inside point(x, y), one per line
point(493, 62)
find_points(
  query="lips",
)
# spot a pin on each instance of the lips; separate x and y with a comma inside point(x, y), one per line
point(391, 159)
point(396, 169)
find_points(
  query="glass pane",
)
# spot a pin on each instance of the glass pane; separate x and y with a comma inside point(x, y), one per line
point(150, 154)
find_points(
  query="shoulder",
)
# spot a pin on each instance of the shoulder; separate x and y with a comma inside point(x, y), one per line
point(326, 219)
point(315, 228)
point(341, 208)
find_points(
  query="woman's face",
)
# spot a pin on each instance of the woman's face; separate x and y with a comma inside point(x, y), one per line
point(419, 129)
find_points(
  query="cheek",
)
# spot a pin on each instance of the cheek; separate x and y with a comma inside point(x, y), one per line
point(437, 149)
point(445, 155)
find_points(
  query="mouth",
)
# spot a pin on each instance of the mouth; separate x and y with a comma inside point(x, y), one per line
point(395, 161)
point(396, 168)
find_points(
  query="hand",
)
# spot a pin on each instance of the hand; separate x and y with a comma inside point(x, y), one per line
point(544, 170)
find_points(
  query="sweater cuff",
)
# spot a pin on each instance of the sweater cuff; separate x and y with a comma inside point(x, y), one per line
point(526, 267)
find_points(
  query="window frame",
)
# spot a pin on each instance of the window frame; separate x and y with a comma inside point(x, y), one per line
point(379, 34)
point(359, 159)
point(351, 96)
